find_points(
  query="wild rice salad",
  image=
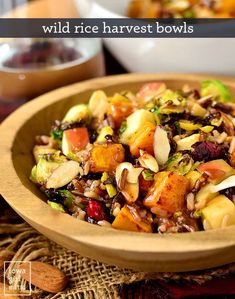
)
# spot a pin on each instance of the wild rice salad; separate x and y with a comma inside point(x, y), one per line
point(181, 9)
point(158, 160)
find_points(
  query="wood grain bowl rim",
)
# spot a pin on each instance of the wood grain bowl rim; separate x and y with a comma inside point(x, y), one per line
point(80, 231)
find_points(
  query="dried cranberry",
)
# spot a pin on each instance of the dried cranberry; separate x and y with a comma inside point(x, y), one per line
point(206, 151)
point(96, 210)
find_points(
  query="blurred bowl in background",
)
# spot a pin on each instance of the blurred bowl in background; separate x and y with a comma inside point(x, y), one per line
point(30, 67)
point(198, 55)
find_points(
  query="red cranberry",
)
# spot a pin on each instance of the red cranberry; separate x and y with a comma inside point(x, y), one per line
point(96, 210)
point(206, 151)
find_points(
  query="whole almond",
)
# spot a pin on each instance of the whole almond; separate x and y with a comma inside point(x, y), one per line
point(10, 294)
point(5, 256)
point(44, 276)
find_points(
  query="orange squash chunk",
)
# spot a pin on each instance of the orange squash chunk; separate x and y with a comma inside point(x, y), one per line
point(143, 140)
point(120, 110)
point(167, 194)
point(232, 160)
point(106, 157)
point(126, 221)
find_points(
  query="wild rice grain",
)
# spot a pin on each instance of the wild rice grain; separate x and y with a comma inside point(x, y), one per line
point(190, 201)
point(104, 223)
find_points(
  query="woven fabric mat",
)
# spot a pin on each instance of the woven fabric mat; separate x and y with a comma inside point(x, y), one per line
point(89, 279)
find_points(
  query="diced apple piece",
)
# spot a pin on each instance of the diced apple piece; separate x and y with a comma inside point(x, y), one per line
point(98, 104)
point(161, 145)
point(77, 113)
point(40, 150)
point(135, 122)
point(204, 195)
point(187, 142)
point(217, 170)
point(74, 140)
point(126, 221)
point(167, 193)
point(150, 90)
point(106, 157)
point(142, 139)
point(63, 174)
point(219, 213)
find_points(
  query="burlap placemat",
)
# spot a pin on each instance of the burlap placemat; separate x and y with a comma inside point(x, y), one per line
point(89, 279)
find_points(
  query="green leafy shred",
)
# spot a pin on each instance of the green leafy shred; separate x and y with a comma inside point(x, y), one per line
point(123, 127)
point(56, 206)
point(68, 196)
point(57, 134)
point(148, 175)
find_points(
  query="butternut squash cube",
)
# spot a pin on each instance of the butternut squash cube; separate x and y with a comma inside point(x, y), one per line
point(106, 157)
point(167, 193)
point(126, 221)
point(143, 139)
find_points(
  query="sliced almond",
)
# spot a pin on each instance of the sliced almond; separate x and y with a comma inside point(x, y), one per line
point(129, 188)
point(148, 161)
point(44, 276)
point(63, 174)
point(161, 145)
point(132, 174)
point(227, 183)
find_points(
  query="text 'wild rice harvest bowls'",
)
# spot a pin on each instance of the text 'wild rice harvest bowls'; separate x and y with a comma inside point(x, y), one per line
point(160, 160)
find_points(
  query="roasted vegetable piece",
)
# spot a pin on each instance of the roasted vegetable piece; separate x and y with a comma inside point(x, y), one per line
point(219, 212)
point(145, 182)
point(106, 157)
point(125, 220)
point(103, 133)
point(43, 170)
point(74, 140)
point(167, 195)
point(217, 89)
point(77, 113)
point(120, 108)
point(217, 170)
point(143, 140)
point(227, 6)
point(193, 176)
point(134, 123)
point(180, 163)
point(56, 206)
point(40, 150)
point(232, 159)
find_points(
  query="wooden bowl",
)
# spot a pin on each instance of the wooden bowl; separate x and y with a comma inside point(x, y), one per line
point(142, 251)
